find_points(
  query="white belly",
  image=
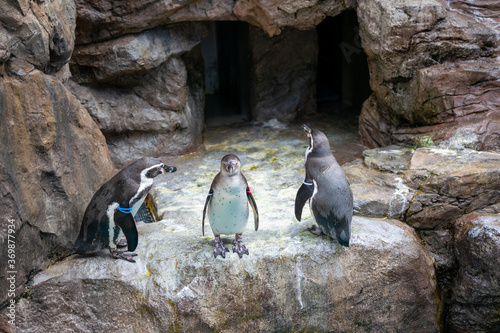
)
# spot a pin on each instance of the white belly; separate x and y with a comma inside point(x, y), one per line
point(228, 211)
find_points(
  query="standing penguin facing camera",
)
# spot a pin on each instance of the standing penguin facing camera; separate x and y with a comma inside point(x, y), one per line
point(227, 206)
point(110, 213)
point(327, 189)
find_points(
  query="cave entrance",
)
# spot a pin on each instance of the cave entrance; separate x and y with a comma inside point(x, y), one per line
point(225, 53)
point(343, 78)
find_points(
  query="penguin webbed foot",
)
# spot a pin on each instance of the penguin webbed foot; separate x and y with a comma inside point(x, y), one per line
point(125, 255)
point(220, 248)
point(315, 230)
point(239, 247)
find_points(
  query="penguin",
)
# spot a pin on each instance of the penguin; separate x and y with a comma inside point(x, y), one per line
point(227, 206)
point(109, 215)
point(327, 189)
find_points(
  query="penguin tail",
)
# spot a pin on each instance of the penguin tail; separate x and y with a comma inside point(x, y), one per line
point(344, 241)
point(344, 231)
point(344, 234)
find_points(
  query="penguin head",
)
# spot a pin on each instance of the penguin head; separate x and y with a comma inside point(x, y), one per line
point(230, 165)
point(318, 142)
point(151, 167)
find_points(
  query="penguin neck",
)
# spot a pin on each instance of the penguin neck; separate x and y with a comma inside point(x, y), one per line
point(233, 178)
point(319, 152)
point(227, 174)
point(144, 187)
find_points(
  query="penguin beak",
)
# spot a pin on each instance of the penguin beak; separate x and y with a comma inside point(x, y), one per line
point(307, 130)
point(230, 166)
point(168, 168)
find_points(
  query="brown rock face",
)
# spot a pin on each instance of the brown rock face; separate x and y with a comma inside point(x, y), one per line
point(53, 158)
point(144, 90)
point(105, 19)
point(41, 33)
point(433, 71)
point(476, 295)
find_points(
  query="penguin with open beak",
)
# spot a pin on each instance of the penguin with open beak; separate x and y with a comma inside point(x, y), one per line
point(327, 189)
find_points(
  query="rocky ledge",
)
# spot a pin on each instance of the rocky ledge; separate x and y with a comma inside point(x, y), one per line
point(291, 281)
point(416, 263)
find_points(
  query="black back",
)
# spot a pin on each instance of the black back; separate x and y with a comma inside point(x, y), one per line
point(94, 231)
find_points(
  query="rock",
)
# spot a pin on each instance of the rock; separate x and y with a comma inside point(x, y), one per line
point(291, 281)
point(456, 99)
point(378, 194)
point(434, 71)
point(272, 16)
point(39, 33)
point(450, 184)
point(133, 53)
point(151, 106)
point(283, 72)
point(476, 293)
point(109, 20)
point(392, 159)
point(53, 160)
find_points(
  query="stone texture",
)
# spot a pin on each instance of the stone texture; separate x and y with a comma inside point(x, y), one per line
point(433, 68)
point(376, 193)
point(41, 33)
point(104, 19)
point(476, 293)
point(133, 53)
point(291, 281)
point(391, 158)
point(152, 102)
point(272, 16)
point(450, 184)
point(433, 63)
point(53, 158)
point(283, 74)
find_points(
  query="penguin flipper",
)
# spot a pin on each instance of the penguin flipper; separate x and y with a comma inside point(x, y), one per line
point(304, 193)
point(127, 223)
point(209, 196)
point(252, 203)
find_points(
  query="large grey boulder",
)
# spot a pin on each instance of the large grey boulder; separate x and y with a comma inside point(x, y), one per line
point(291, 281)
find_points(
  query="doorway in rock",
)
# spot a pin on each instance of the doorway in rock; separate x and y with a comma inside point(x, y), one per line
point(343, 77)
point(225, 53)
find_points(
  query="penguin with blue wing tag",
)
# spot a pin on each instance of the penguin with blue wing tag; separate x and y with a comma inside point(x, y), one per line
point(110, 213)
point(227, 206)
point(327, 189)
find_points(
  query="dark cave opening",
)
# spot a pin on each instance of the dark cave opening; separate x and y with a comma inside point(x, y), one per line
point(234, 84)
point(343, 78)
point(225, 53)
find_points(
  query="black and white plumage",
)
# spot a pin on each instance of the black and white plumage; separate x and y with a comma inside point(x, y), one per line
point(109, 215)
point(327, 189)
point(227, 206)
